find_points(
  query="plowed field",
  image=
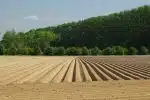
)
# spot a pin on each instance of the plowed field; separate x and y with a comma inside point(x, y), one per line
point(78, 78)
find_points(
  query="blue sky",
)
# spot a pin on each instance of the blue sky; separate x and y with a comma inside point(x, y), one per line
point(27, 14)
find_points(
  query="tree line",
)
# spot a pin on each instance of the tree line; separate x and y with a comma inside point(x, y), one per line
point(123, 33)
point(61, 51)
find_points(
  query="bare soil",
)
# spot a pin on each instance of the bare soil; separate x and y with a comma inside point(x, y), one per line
point(75, 78)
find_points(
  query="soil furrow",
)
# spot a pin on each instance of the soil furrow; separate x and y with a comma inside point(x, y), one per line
point(130, 72)
point(59, 77)
point(18, 75)
point(137, 73)
point(52, 73)
point(94, 75)
point(100, 73)
point(74, 72)
point(136, 67)
point(106, 71)
point(130, 75)
point(81, 71)
point(86, 74)
point(78, 72)
point(69, 75)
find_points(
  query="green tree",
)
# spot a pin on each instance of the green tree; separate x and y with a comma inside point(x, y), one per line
point(39, 39)
point(44, 39)
point(9, 39)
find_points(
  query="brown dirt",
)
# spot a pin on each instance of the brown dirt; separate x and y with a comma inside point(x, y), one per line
point(113, 90)
point(75, 78)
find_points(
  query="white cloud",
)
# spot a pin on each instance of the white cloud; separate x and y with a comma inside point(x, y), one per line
point(31, 18)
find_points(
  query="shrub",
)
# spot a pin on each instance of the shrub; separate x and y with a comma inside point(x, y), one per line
point(78, 51)
point(95, 51)
point(85, 51)
point(11, 51)
point(59, 51)
point(125, 51)
point(73, 51)
point(1, 49)
point(48, 51)
point(118, 50)
point(37, 51)
point(108, 51)
point(143, 50)
point(23, 51)
point(132, 51)
point(30, 51)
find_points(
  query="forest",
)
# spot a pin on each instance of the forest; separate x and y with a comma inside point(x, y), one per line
point(122, 33)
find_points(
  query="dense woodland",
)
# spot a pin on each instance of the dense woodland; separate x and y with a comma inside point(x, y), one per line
point(123, 33)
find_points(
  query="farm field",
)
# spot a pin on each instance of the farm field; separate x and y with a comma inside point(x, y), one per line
point(75, 77)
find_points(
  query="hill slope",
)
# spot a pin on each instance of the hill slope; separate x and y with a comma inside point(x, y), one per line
point(126, 28)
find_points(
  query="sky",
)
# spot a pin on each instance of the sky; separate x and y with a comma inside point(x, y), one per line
point(23, 15)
